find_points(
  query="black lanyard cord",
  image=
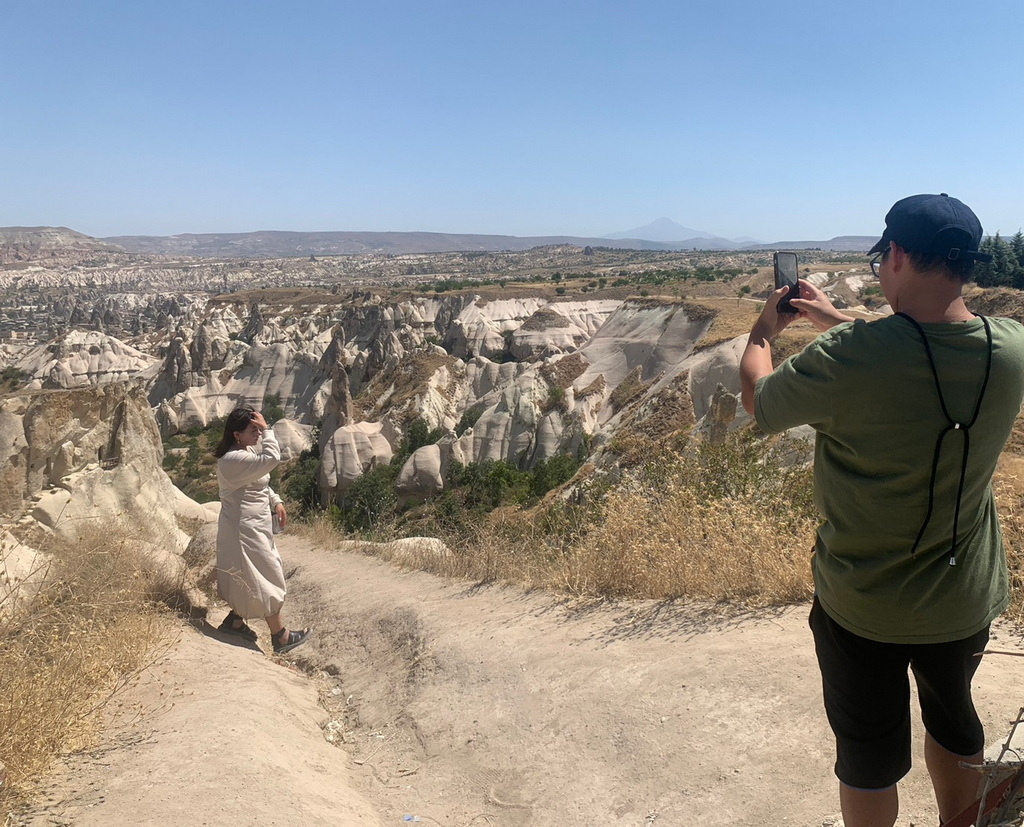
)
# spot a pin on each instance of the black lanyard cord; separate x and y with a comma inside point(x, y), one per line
point(952, 425)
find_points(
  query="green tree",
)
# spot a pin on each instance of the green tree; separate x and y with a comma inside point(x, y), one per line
point(551, 473)
point(418, 435)
point(468, 420)
point(1017, 249)
point(1004, 263)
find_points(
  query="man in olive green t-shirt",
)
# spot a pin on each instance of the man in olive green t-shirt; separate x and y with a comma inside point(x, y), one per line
point(911, 413)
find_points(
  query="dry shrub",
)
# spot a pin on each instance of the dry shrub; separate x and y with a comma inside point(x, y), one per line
point(671, 543)
point(729, 522)
point(726, 522)
point(318, 529)
point(1010, 504)
point(507, 546)
point(629, 389)
point(88, 629)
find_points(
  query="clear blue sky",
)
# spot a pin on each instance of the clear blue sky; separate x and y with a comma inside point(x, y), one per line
point(779, 120)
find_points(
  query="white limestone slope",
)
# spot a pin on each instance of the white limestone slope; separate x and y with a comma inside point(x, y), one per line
point(525, 327)
point(350, 452)
point(83, 358)
point(649, 343)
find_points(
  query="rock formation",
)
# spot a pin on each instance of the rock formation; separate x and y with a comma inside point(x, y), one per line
point(63, 454)
point(338, 407)
point(70, 460)
point(83, 358)
point(350, 452)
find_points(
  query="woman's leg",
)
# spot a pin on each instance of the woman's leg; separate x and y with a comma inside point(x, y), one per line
point(275, 623)
point(283, 639)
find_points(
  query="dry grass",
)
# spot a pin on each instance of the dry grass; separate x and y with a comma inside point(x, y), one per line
point(563, 372)
point(631, 388)
point(88, 630)
point(671, 544)
point(724, 523)
point(1009, 488)
point(735, 316)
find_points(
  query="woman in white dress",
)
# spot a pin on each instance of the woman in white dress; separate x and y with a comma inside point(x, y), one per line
point(250, 578)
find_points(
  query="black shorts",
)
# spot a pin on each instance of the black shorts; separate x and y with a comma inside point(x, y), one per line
point(867, 699)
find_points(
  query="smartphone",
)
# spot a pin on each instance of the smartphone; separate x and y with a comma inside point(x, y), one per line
point(787, 271)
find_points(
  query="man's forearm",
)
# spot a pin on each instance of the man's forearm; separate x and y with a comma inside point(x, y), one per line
point(755, 363)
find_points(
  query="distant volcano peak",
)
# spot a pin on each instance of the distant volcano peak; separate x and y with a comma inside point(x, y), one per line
point(662, 229)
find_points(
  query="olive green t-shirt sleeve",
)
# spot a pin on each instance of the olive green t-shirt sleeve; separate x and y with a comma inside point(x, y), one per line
point(799, 391)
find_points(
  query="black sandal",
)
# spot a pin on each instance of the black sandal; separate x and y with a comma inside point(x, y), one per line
point(235, 624)
point(288, 640)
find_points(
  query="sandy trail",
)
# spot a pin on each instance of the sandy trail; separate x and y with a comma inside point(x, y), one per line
point(484, 705)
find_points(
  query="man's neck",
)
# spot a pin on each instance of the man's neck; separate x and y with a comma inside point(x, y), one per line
point(956, 312)
point(933, 299)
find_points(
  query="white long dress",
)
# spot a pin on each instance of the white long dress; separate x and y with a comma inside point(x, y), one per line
point(250, 578)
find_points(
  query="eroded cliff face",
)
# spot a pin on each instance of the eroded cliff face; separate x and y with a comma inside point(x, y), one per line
point(81, 462)
point(67, 457)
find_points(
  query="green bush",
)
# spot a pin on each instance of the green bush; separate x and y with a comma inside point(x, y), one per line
point(555, 400)
point(489, 484)
point(301, 485)
point(272, 409)
point(468, 420)
point(418, 435)
point(371, 500)
point(551, 473)
point(11, 378)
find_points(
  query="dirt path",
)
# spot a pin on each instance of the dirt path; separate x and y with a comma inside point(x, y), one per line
point(467, 705)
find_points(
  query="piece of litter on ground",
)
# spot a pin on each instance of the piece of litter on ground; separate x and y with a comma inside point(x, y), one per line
point(408, 817)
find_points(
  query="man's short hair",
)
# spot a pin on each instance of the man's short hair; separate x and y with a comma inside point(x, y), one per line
point(960, 269)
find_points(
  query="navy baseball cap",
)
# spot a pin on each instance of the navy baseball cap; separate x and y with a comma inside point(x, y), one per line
point(934, 224)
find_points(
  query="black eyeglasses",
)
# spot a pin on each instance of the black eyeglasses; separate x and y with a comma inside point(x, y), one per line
point(877, 260)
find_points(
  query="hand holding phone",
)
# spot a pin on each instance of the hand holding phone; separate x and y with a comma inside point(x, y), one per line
point(787, 274)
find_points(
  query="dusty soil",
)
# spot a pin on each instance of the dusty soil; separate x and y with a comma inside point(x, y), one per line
point(465, 704)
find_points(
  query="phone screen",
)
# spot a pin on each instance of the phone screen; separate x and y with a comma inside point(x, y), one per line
point(787, 272)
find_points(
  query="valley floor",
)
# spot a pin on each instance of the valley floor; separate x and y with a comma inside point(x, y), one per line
point(465, 704)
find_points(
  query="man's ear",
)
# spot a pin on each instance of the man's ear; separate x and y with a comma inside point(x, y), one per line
point(897, 256)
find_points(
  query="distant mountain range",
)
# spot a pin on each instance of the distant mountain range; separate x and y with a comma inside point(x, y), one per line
point(280, 244)
point(30, 243)
point(22, 243)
